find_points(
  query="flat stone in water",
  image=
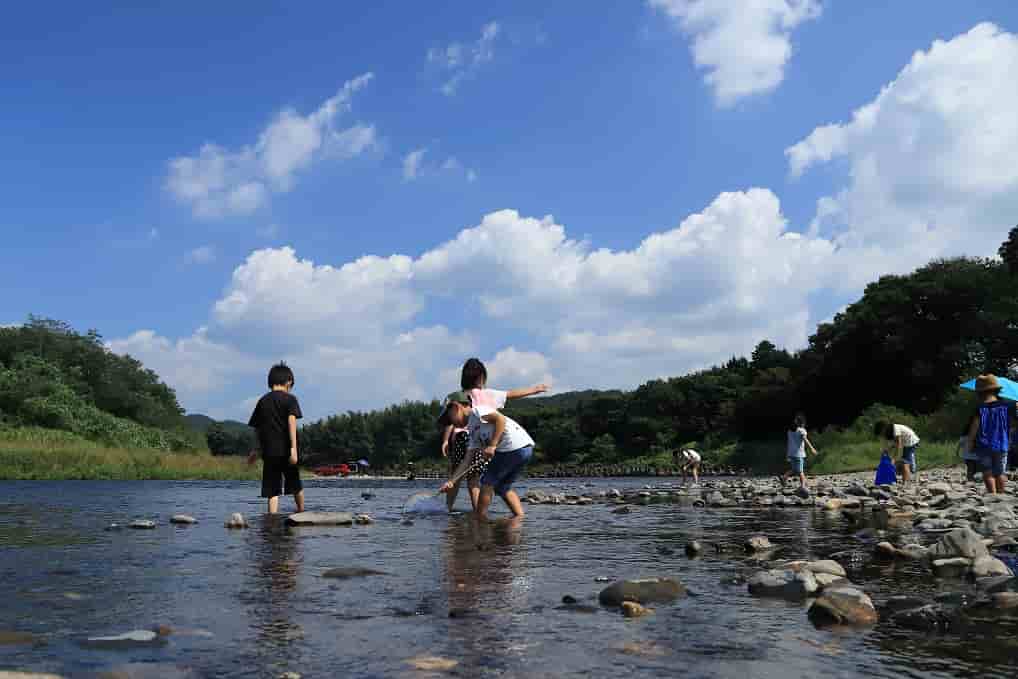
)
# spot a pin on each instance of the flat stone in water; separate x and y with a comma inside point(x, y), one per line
point(126, 640)
point(430, 663)
point(350, 572)
point(183, 519)
point(142, 524)
point(320, 519)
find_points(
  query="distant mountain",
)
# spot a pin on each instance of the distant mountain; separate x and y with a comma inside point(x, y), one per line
point(201, 423)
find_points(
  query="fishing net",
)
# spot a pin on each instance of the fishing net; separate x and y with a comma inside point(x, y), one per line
point(426, 503)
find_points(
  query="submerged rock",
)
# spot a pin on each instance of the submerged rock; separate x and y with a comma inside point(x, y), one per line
point(643, 591)
point(758, 543)
point(363, 519)
point(320, 519)
point(142, 524)
point(631, 609)
point(931, 617)
point(843, 606)
point(236, 520)
point(693, 548)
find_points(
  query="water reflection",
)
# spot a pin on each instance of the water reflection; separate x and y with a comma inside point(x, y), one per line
point(273, 570)
point(485, 581)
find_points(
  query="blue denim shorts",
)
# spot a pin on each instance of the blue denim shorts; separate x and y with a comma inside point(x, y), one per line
point(994, 461)
point(908, 457)
point(505, 467)
point(798, 464)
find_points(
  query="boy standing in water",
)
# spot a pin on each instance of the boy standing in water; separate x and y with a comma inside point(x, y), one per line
point(504, 443)
point(473, 381)
point(275, 420)
point(990, 432)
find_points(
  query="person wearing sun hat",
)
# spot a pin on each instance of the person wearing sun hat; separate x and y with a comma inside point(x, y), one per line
point(990, 432)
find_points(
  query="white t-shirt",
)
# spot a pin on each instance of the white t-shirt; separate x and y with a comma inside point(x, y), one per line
point(489, 398)
point(909, 438)
point(797, 443)
point(514, 436)
point(691, 455)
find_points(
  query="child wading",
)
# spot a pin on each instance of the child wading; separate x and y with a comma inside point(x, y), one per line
point(473, 380)
point(906, 443)
point(990, 432)
point(798, 441)
point(690, 463)
point(275, 419)
point(504, 443)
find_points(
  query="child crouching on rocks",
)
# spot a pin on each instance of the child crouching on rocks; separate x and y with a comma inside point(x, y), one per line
point(505, 445)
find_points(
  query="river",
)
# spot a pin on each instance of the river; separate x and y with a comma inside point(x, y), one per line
point(253, 603)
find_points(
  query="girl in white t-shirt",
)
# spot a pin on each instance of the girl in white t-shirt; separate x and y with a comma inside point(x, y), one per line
point(473, 380)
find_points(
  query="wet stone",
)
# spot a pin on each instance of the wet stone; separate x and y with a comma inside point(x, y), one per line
point(320, 519)
point(643, 591)
point(134, 639)
point(142, 524)
point(183, 519)
point(631, 609)
point(843, 606)
point(350, 572)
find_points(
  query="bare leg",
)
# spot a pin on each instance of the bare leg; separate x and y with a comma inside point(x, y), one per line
point(906, 472)
point(991, 483)
point(802, 479)
point(696, 473)
point(298, 497)
point(450, 497)
point(512, 500)
point(1001, 482)
point(274, 505)
point(474, 486)
point(484, 501)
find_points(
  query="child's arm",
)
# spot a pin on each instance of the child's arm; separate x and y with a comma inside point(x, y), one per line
point(809, 444)
point(467, 461)
point(292, 421)
point(446, 435)
point(498, 420)
point(973, 433)
point(526, 391)
point(253, 455)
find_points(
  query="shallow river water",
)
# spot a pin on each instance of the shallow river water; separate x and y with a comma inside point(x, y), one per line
point(252, 603)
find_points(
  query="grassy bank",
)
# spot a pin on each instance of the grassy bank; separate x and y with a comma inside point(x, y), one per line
point(44, 454)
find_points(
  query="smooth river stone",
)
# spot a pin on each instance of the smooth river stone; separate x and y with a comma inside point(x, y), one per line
point(320, 519)
point(643, 591)
point(183, 519)
point(126, 640)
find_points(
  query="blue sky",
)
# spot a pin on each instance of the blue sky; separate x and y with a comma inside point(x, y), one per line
point(592, 194)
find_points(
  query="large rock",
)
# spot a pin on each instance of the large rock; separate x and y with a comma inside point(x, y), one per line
point(826, 566)
point(843, 606)
point(957, 567)
point(963, 543)
point(643, 591)
point(320, 519)
point(988, 566)
point(787, 584)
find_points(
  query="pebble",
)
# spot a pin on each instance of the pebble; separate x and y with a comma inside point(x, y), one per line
point(236, 520)
point(631, 609)
point(183, 519)
point(142, 524)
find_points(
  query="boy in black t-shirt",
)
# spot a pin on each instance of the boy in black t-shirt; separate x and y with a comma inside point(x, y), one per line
point(275, 419)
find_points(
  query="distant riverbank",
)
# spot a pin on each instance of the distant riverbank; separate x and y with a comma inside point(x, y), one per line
point(43, 454)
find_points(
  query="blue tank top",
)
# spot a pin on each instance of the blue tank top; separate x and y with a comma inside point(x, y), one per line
point(994, 426)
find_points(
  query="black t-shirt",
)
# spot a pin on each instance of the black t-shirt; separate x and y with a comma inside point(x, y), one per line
point(271, 420)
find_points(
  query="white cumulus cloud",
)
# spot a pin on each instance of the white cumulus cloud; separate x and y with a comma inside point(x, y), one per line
point(930, 160)
point(218, 182)
point(743, 46)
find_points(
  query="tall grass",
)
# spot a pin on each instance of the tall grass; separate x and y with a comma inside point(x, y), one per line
point(46, 454)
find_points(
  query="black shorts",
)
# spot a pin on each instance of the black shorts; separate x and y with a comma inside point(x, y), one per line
point(279, 477)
